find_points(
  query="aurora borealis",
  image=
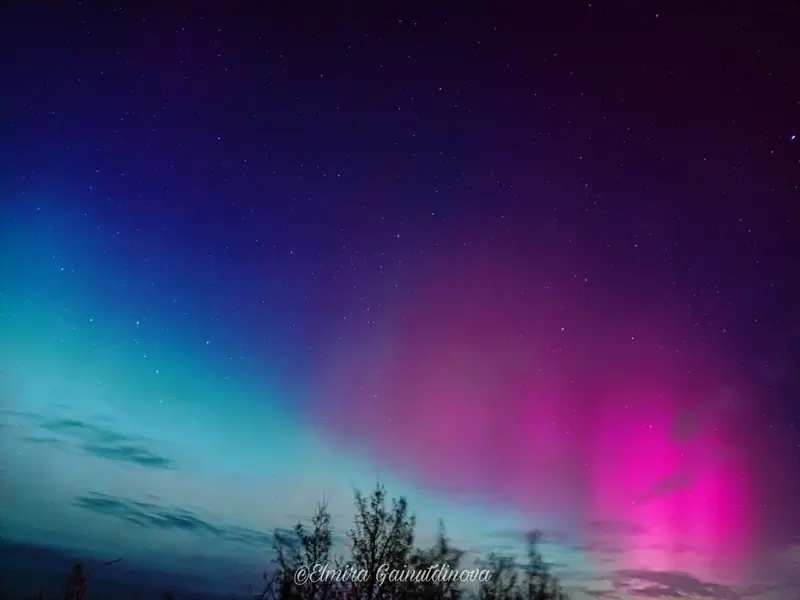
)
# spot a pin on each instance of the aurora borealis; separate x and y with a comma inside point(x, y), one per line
point(515, 398)
point(251, 260)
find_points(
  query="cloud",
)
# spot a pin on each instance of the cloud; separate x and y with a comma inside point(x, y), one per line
point(584, 576)
point(102, 442)
point(669, 584)
point(546, 536)
point(597, 547)
point(12, 419)
point(43, 440)
point(83, 430)
point(604, 539)
point(154, 516)
point(133, 454)
point(615, 528)
point(597, 593)
point(673, 483)
point(99, 441)
point(608, 538)
point(775, 591)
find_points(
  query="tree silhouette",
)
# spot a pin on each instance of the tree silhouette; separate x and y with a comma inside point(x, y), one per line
point(531, 581)
point(382, 554)
point(540, 584)
point(442, 554)
point(381, 543)
point(78, 580)
point(303, 548)
point(503, 583)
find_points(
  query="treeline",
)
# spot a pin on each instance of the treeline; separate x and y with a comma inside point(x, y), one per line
point(383, 563)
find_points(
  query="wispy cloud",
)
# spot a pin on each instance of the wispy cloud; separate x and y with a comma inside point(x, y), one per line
point(6, 413)
point(128, 453)
point(609, 527)
point(101, 441)
point(165, 518)
point(669, 584)
point(592, 593)
point(546, 536)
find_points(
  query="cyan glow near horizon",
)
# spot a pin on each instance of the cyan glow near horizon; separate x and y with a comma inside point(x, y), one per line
point(523, 275)
point(111, 404)
point(103, 409)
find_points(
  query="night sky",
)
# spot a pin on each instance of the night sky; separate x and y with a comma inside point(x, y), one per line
point(533, 270)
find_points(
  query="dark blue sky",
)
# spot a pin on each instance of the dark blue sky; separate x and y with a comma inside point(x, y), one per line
point(242, 243)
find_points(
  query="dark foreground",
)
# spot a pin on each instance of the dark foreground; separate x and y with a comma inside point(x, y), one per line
point(382, 535)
